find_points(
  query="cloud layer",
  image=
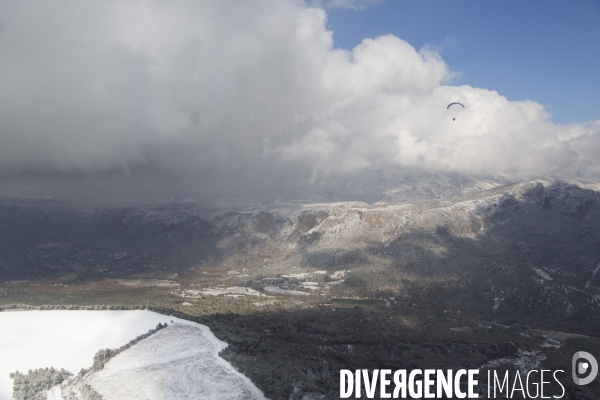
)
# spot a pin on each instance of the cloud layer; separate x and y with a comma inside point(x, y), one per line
point(192, 88)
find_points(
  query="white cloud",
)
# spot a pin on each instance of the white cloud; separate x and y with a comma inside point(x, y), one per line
point(355, 5)
point(190, 87)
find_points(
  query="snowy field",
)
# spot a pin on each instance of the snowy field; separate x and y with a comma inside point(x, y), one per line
point(64, 339)
point(179, 362)
point(69, 339)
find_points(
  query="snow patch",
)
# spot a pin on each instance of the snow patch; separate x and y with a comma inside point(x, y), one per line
point(587, 285)
point(543, 274)
point(297, 276)
point(338, 274)
point(497, 302)
point(275, 289)
point(234, 290)
point(525, 361)
point(55, 393)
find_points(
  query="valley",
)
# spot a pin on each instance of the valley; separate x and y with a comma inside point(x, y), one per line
point(300, 290)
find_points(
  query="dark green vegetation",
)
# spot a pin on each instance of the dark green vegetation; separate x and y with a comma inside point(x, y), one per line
point(47, 239)
point(293, 354)
point(86, 392)
point(454, 283)
point(34, 385)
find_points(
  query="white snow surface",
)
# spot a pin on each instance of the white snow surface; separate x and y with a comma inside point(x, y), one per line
point(64, 338)
point(70, 338)
point(276, 289)
point(179, 362)
point(54, 393)
point(229, 290)
point(543, 274)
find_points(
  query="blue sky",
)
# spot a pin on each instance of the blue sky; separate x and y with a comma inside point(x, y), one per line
point(547, 51)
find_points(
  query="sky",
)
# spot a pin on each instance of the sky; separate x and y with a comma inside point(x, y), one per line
point(216, 95)
point(546, 51)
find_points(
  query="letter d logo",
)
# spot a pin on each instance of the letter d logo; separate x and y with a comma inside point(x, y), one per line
point(581, 368)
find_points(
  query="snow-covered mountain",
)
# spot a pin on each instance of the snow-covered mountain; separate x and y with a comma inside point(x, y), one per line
point(530, 246)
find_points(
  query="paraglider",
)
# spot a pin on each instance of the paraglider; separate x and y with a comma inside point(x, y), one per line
point(455, 105)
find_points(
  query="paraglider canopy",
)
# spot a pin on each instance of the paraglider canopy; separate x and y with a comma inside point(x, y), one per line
point(455, 107)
